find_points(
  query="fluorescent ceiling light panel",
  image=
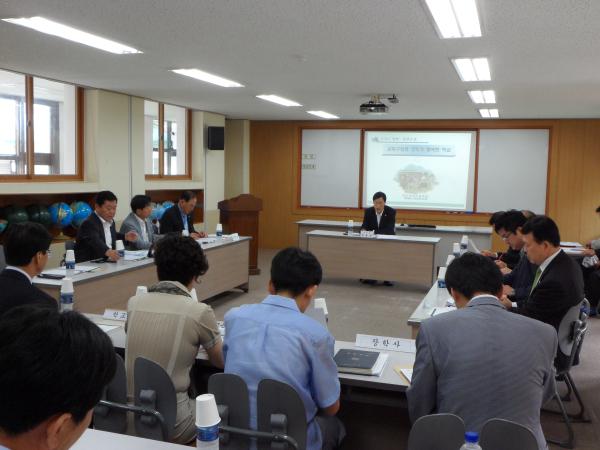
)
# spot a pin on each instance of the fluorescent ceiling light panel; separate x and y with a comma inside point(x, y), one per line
point(489, 113)
point(455, 18)
point(72, 34)
point(277, 99)
point(323, 114)
point(476, 69)
point(482, 96)
point(208, 77)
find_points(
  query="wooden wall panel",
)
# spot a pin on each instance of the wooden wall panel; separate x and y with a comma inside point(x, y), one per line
point(573, 181)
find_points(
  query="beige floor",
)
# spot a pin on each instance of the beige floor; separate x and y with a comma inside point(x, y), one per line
point(356, 308)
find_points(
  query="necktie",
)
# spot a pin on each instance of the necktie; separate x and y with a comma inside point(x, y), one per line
point(538, 274)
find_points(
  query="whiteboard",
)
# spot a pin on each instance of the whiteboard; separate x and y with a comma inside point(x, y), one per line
point(513, 168)
point(330, 168)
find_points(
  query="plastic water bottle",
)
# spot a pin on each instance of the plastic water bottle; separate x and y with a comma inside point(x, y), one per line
point(219, 230)
point(350, 227)
point(66, 295)
point(464, 243)
point(471, 441)
point(70, 260)
point(207, 423)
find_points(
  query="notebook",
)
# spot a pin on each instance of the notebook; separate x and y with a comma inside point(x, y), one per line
point(360, 362)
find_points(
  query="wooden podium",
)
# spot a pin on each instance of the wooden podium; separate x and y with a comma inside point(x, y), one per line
point(240, 215)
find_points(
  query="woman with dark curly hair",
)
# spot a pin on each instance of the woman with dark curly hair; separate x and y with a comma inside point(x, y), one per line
point(167, 326)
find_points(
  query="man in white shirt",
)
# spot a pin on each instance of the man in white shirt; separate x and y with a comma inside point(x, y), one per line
point(97, 237)
point(138, 220)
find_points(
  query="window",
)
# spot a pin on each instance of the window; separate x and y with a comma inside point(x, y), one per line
point(170, 155)
point(40, 132)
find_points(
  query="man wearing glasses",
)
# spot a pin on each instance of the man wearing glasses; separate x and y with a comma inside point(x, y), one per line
point(26, 249)
point(516, 282)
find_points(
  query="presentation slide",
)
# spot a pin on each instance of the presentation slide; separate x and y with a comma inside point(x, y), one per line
point(420, 170)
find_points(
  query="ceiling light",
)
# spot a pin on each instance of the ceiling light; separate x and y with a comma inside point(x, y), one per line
point(482, 96)
point(489, 113)
point(455, 18)
point(72, 34)
point(277, 99)
point(208, 77)
point(323, 114)
point(475, 69)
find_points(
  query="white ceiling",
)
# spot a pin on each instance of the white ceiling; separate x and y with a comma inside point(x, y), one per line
point(325, 54)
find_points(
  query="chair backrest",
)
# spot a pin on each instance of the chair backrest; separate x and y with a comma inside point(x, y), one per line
point(153, 388)
point(280, 410)
point(570, 336)
point(110, 419)
point(501, 434)
point(437, 431)
point(231, 391)
point(2, 259)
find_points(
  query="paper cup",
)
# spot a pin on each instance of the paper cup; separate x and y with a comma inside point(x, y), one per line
point(141, 290)
point(456, 248)
point(66, 286)
point(70, 255)
point(120, 246)
point(207, 414)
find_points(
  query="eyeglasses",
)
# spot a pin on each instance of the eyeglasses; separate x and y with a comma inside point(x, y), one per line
point(48, 252)
point(506, 236)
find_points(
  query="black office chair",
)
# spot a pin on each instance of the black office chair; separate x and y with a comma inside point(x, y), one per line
point(449, 432)
point(110, 414)
point(501, 434)
point(2, 259)
point(274, 420)
point(571, 332)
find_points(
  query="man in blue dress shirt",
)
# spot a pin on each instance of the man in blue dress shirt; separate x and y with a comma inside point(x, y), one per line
point(275, 340)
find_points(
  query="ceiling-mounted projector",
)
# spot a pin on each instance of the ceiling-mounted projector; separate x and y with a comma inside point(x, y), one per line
point(373, 106)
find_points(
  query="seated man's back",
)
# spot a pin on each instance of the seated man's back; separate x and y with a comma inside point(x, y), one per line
point(275, 340)
point(482, 362)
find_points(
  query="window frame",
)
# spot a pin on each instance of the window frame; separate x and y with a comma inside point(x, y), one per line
point(161, 146)
point(30, 159)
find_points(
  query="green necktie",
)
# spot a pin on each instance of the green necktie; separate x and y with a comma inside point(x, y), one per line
point(538, 274)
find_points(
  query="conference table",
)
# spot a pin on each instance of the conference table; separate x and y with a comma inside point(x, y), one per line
point(435, 298)
point(388, 388)
point(404, 259)
point(480, 236)
point(110, 285)
point(97, 440)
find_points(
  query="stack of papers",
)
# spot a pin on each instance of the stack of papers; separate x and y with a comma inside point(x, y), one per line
point(79, 268)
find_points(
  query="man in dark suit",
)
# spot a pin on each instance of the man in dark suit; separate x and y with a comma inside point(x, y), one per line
point(379, 218)
point(517, 282)
point(558, 281)
point(178, 218)
point(459, 366)
point(97, 237)
point(26, 248)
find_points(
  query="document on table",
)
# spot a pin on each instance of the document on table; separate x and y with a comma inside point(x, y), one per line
point(107, 328)
point(442, 310)
point(404, 372)
point(135, 255)
point(79, 268)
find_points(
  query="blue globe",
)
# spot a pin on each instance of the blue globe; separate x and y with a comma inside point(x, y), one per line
point(81, 211)
point(61, 214)
point(157, 211)
point(166, 205)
